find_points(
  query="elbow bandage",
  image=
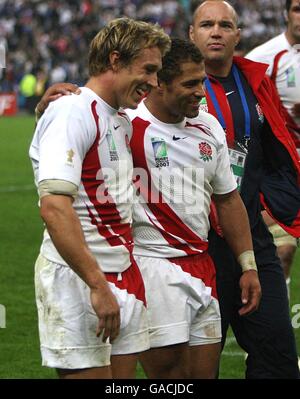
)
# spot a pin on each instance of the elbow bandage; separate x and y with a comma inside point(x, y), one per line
point(57, 187)
point(247, 261)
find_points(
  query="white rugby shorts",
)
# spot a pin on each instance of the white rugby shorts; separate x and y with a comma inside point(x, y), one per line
point(68, 323)
point(182, 302)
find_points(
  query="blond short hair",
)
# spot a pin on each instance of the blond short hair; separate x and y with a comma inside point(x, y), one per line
point(128, 37)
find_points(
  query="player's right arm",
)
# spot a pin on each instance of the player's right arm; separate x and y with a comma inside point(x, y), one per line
point(234, 222)
point(233, 219)
point(60, 144)
point(66, 233)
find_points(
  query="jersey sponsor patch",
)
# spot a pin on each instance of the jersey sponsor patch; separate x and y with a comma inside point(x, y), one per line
point(160, 152)
point(291, 77)
point(205, 152)
point(112, 146)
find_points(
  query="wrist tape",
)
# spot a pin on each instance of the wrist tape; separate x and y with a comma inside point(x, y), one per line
point(247, 261)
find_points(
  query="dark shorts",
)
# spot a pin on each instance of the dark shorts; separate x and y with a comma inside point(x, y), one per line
point(267, 334)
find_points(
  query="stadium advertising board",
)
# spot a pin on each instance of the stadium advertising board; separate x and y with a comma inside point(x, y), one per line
point(8, 104)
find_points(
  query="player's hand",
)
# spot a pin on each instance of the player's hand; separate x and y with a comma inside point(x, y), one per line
point(108, 311)
point(296, 110)
point(53, 93)
point(251, 292)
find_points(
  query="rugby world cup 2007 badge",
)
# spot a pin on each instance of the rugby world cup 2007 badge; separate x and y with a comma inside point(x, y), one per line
point(291, 77)
point(203, 105)
point(160, 152)
point(112, 146)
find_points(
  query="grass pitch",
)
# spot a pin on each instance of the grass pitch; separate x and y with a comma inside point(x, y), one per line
point(20, 238)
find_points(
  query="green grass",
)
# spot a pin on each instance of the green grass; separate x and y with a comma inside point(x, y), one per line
point(20, 238)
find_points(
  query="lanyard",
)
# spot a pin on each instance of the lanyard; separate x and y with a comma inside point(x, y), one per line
point(241, 90)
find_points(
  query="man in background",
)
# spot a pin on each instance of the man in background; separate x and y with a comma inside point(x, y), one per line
point(282, 54)
point(266, 165)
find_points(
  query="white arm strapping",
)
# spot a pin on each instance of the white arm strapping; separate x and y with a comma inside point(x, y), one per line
point(247, 261)
point(57, 187)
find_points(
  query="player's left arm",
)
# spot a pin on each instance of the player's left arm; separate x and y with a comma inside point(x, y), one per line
point(234, 222)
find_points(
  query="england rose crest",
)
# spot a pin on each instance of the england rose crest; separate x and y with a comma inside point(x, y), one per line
point(205, 152)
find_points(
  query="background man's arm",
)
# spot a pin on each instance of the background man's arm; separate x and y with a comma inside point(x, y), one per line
point(53, 93)
point(234, 222)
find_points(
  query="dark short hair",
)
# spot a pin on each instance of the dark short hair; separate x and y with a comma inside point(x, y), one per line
point(288, 4)
point(181, 51)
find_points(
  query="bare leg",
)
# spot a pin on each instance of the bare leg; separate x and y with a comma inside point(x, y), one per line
point(286, 254)
point(204, 360)
point(91, 373)
point(124, 366)
point(168, 362)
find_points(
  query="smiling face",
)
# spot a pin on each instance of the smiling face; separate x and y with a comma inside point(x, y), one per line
point(293, 31)
point(215, 32)
point(136, 80)
point(181, 97)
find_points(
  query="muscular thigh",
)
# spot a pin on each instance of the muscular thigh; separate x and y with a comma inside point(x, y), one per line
point(168, 362)
point(174, 298)
point(68, 323)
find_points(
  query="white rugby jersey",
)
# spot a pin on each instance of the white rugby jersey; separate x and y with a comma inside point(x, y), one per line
point(177, 168)
point(82, 140)
point(284, 64)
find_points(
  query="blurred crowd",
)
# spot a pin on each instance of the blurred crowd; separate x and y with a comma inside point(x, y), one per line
point(47, 41)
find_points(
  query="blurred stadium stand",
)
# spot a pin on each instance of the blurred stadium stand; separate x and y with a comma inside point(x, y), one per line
point(49, 39)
